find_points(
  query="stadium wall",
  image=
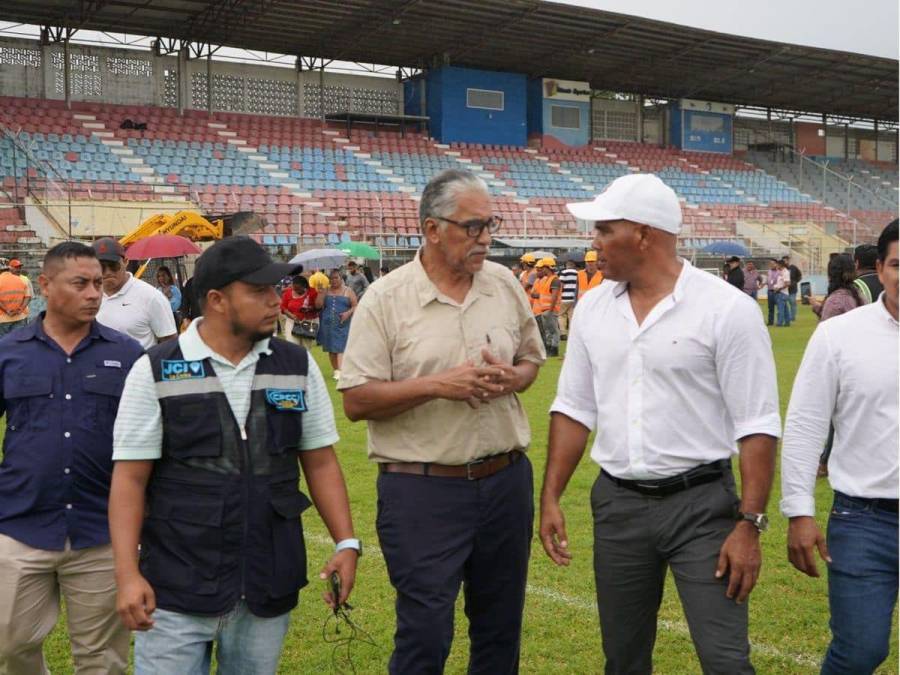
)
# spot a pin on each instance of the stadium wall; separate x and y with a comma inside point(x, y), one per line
point(702, 126)
point(808, 140)
point(477, 106)
point(139, 77)
point(559, 112)
point(615, 120)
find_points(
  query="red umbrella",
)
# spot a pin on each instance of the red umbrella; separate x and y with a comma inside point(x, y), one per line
point(162, 246)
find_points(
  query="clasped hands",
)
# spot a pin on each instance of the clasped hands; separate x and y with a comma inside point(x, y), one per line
point(478, 385)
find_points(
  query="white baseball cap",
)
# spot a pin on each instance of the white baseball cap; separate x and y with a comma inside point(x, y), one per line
point(639, 197)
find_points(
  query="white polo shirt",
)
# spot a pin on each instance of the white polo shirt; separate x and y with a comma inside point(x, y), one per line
point(848, 377)
point(677, 391)
point(139, 310)
point(138, 431)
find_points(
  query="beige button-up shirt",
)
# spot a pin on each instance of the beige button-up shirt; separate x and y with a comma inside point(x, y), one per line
point(404, 328)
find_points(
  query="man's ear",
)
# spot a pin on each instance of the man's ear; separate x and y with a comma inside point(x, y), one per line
point(431, 230)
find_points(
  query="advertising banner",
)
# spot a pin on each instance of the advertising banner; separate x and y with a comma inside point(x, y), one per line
point(566, 90)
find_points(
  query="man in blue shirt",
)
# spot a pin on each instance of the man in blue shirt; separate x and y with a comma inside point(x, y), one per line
point(60, 381)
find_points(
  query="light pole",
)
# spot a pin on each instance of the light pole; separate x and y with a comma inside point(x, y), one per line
point(299, 228)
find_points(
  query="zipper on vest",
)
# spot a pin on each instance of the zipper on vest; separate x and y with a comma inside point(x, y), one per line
point(248, 477)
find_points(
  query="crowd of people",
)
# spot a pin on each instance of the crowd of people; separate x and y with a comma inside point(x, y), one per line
point(151, 478)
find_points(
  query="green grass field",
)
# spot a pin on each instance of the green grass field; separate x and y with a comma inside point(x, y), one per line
point(788, 611)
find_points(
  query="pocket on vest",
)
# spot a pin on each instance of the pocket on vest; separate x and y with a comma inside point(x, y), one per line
point(182, 543)
point(288, 546)
point(286, 429)
point(192, 428)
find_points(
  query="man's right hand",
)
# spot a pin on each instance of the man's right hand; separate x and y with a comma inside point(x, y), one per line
point(135, 602)
point(553, 532)
point(468, 383)
point(804, 536)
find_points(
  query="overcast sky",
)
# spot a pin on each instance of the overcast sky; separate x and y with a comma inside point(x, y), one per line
point(864, 26)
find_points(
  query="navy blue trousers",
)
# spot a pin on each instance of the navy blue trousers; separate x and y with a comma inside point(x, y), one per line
point(439, 533)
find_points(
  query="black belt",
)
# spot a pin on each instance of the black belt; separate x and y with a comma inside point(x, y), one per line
point(663, 487)
point(889, 505)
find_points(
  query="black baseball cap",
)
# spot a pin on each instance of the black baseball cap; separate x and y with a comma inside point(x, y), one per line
point(108, 249)
point(238, 259)
point(733, 258)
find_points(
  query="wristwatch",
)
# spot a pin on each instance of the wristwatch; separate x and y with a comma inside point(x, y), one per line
point(355, 544)
point(759, 520)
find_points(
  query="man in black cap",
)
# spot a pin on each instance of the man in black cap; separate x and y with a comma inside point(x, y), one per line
point(735, 275)
point(209, 432)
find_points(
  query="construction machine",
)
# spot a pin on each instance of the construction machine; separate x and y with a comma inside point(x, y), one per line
point(193, 226)
point(196, 227)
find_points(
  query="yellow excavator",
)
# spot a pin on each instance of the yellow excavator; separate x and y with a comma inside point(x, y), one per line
point(194, 226)
point(188, 224)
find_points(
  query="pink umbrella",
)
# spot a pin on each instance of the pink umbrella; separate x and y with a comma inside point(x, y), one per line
point(162, 246)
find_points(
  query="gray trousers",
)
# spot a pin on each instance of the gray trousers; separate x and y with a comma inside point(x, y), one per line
point(548, 323)
point(636, 538)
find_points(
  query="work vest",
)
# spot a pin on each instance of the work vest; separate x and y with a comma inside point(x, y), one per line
point(544, 301)
point(584, 285)
point(523, 278)
point(12, 294)
point(223, 507)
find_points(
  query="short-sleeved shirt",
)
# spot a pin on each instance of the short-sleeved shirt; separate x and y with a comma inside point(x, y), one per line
point(138, 431)
point(57, 452)
point(569, 278)
point(405, 328)
point(358, 283)
point(139, 310)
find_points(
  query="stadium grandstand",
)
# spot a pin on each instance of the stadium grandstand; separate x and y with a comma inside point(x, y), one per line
point(777, 147)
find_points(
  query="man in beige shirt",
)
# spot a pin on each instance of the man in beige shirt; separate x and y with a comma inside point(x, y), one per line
point(438, 351)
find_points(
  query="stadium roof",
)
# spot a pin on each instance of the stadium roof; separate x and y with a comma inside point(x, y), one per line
point(612, 51)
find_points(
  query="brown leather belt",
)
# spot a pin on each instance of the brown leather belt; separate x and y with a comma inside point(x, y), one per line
point(480, 468)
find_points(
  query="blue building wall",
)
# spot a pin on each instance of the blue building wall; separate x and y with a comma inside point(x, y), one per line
point(701, 130)
point(535, 106)
point(675, 125)
point(572, 137)
point(453, 121)
point(707, 131)
point(433, 102)
point(540, 118)
point(412, 101)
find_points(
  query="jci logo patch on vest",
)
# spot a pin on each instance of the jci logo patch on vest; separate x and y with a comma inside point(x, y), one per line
point(182, 370)
point(291, 400)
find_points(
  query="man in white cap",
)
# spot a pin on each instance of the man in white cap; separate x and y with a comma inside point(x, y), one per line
point(659, 361)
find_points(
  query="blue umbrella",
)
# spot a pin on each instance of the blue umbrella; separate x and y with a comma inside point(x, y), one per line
point(726, 248)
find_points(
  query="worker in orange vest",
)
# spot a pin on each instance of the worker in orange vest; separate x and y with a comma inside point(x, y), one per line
point(546, 303)
point(14, 298)
point(590, 276)
point(527, 276)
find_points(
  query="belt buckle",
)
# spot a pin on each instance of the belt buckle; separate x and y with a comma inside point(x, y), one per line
point(647, 486)
point(469, 466)
point(652, 491)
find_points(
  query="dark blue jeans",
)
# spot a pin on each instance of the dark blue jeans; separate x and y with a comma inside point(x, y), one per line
point(439, 533)
point(771, 301)
point(862, 585)
point(784, 310)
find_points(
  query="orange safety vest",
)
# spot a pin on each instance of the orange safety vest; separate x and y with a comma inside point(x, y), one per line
point(584, 285)
point(12, 294)
point(544, 301)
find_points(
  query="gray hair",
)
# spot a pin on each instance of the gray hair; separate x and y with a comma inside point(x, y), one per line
point(439, 196)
